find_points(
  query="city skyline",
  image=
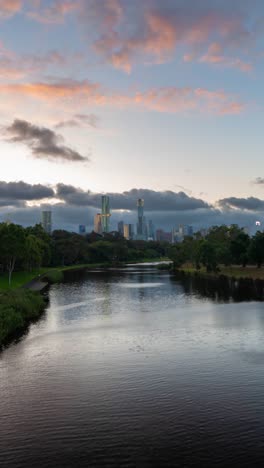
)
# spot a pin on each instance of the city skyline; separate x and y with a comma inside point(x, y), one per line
point(159, 97)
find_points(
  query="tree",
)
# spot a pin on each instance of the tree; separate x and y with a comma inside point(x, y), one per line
point(33, 251)
point(12, 246)
point(239, 248)
point(178, 255)
point(256, 249)
point(206, 255)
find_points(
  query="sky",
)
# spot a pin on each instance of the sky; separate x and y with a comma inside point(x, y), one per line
point(159, 99)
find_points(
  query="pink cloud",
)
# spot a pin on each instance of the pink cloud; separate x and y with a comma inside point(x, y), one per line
point(151, 32)
point(167, 99)
point(9, 7)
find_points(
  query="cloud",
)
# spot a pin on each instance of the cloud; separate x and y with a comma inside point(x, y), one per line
point(249, 204)
point(43, 142)
point(153, 31)
point(166, 99)
point(21, 191)
point(14, 67)
point(55, 12)
point(258, 181)
point(154, 200)
point(9, 8)
point(79, 120)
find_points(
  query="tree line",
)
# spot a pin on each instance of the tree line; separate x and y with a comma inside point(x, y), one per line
point(223, 245)
point(31, 248)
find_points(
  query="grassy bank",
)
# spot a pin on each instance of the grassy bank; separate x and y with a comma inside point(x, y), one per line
point(251, 272)
point(17, 309)
point(55, 274)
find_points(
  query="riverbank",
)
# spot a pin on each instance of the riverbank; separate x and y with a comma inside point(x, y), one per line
point(229, 283)
point(56, 274)
point(18, 308)
point(235, 271)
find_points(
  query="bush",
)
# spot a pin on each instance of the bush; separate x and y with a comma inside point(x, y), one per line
point(17, 308)
point(54, 276)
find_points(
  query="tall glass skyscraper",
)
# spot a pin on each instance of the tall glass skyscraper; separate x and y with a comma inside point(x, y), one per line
point(105, 213)
point(141, 228)
point(47, 221)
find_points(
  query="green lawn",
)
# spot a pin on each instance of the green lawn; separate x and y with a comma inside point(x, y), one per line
point(19, 278)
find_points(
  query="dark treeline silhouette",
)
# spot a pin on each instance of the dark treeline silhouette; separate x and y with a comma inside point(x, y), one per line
point(30, 248)
point(223, 245)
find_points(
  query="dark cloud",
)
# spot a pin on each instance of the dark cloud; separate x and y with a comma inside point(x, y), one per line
point(79, 120)
point(154, 200)
point(22, 191)
point(258, 181)
point(43, 142)
point(249, 204)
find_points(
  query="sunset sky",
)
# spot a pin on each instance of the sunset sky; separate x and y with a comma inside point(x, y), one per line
point(155, 98)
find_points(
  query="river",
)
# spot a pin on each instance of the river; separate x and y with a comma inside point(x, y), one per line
point(130, 368)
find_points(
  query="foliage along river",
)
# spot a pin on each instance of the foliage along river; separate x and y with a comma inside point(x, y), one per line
point(133, 369)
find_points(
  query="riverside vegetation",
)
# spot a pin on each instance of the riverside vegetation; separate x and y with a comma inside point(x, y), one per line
point(226, 249)
point(28, 252)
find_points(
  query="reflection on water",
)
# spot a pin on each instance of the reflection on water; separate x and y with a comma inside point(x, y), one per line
point(135, 368)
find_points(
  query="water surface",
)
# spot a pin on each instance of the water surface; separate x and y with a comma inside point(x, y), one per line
point(131, 368)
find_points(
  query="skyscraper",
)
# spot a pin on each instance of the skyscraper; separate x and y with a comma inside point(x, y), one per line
point(128, 231)
point(105, 213)
point(151, 230)
point(120, 228)
point(82, 229)
point(98, 223)
point(47, 221)
point(141, 224)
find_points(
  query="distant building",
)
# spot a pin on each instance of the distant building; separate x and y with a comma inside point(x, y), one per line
point(105, 216)
point(189, 231)
point(128, 231)
point(46, 221)
point(120, 228)
point(141, 224)
point(151, 230)
point(82, 229)
point(98, 223)
point(163, 236)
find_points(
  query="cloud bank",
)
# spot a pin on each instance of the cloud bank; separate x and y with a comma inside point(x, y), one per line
point(72, 206)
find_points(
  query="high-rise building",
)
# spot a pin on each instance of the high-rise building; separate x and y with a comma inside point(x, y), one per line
point(128, 231)
point(82, 229)
point(151, 230)
point(141, 224)
point(98, 223)
point(163, 236)
point(105, 216)
point(120, 228)
point(47, 221)
point(131, 231)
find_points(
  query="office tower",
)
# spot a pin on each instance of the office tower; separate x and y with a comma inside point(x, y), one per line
point(151, 230)
point(128, 231)
point(82, 229)
point(163, 236)
point(120, 228)
point(98, 223)
point(105, 213)
point(131, 231)
point(141, 224)
point(189, 231)
point(47, 221)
